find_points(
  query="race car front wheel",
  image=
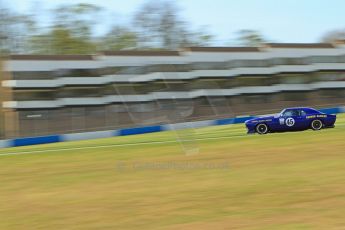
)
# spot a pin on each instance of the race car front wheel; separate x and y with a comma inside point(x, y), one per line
point(261, 129)
point(316, 125)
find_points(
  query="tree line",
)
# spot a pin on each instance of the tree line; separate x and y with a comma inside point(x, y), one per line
point(156, 25)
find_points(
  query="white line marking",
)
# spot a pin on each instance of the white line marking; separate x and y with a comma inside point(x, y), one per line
point(117, 145)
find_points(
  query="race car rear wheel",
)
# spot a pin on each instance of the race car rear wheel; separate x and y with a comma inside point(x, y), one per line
point(261, 129)
point(316, 125)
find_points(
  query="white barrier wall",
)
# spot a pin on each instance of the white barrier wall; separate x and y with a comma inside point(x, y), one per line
point(5, 143)
point(88, 135)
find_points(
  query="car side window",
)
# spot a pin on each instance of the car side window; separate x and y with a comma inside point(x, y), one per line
point(295, 112)
point(303, 113)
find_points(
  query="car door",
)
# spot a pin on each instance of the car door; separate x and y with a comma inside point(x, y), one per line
point(300, 117)
point(292, 120)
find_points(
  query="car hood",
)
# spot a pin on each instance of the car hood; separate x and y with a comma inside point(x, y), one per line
point(264, 117)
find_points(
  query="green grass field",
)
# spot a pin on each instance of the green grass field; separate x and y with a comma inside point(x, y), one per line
point(235, 181)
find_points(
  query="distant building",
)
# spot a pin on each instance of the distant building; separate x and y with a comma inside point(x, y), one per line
point(43, 94)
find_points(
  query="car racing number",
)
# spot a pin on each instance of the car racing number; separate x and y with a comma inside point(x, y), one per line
point(290, 121)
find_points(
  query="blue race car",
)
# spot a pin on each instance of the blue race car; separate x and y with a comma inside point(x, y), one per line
point(291, 119)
